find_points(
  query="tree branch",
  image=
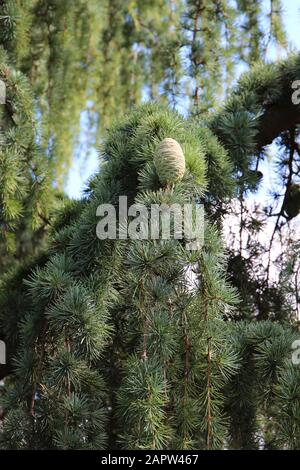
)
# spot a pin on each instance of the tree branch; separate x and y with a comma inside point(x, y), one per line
point(276, 119)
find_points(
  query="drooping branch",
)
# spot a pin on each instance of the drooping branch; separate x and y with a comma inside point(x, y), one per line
point(267, 90)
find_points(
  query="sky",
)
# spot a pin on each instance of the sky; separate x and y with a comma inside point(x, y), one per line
point(85, 166)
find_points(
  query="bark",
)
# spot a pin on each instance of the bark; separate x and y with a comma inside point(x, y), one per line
point(276, 119)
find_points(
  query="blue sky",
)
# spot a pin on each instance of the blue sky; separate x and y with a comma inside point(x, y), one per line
point(85, 166)
point(292, 20)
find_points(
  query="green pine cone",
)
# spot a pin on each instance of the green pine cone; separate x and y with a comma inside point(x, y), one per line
point(169, 161)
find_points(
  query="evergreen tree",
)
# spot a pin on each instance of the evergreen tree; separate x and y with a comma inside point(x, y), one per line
point(171, 355)
point(117, 336)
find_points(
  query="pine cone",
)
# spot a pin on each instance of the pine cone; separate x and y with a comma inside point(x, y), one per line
point(169, 161)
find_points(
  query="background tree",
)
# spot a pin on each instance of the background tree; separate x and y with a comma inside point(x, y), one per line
point(88, 60)
point(26, 196)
